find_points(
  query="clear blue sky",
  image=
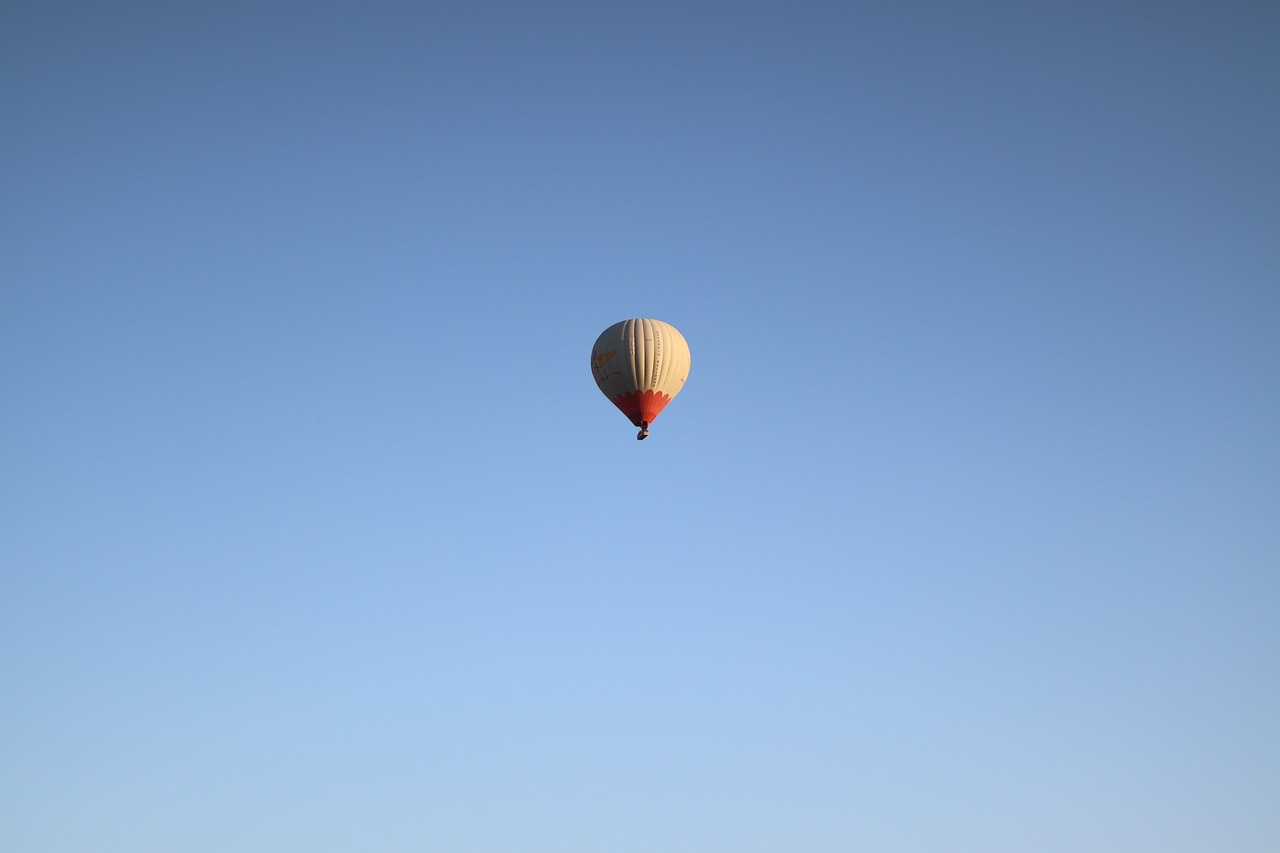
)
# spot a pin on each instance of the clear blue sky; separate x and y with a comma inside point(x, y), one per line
point(316, 535)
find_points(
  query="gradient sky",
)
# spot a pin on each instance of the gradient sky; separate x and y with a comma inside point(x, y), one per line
point(316, 535)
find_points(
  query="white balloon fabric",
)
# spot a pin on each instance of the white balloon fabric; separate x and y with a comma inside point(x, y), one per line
point(640, 365)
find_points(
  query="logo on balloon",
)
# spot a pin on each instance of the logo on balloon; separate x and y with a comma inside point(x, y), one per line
point(599, 360)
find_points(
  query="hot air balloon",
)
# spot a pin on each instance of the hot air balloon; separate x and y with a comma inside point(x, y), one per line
point(640, 365)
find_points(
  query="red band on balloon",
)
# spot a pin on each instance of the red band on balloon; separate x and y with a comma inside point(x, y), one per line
point(642, 406)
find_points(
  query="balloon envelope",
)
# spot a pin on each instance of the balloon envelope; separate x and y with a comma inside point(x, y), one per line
point(640, 365)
